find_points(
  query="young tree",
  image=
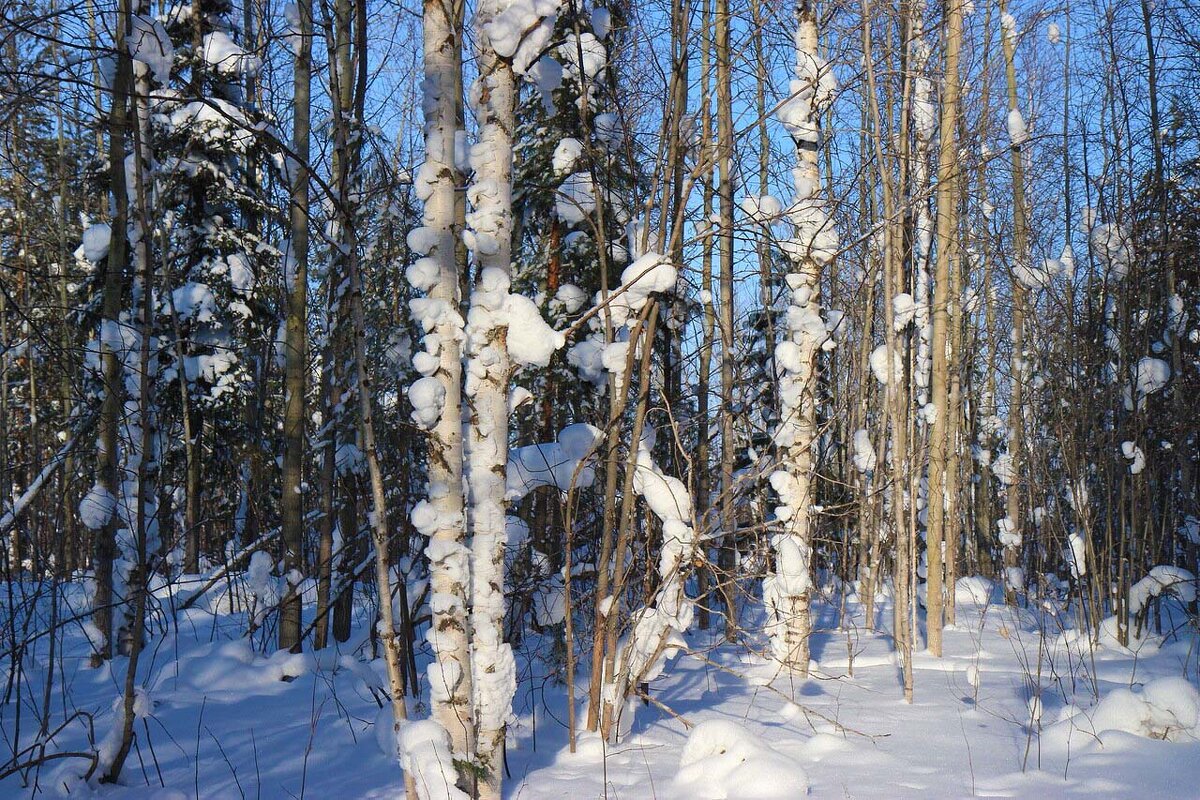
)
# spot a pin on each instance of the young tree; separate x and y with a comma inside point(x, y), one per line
point(787, 592)
point(1013, 474)
point(943, 431)
point(295, 268)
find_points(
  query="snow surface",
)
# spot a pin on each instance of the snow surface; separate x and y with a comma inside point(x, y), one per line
point(149, 43)
point(97, 507)
point(566, 153)
point(879, 365)
point(576, 198)
point(1151, 375)
point(1135, 455)
point(1163, 578)
point(864, 451)
point(564, 464)
point(522, 30)
point(1013, 710)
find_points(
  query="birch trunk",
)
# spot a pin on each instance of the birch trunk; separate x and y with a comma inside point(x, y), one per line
point(896, 398)
point(788, 591)
point(703, 479)
point(488, 371)
point(441, 515)
point(396, 643)
point(64, 552)
point(354, 548)
point(140, 456)
point(725, 581)
point(339, 507)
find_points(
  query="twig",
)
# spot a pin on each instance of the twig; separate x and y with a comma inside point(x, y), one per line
point(664, 707)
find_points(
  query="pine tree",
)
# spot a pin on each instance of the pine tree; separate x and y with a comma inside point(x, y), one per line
point(207, 160)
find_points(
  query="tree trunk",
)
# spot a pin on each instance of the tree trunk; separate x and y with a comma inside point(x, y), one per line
point(450, 672)
point(295, 446)
point(490, 220)
point(703, 478)
point(896, 397)
point(726, 580)
point(141, 425)
point(787, 592)
point(943, 429)
point(107, 477)
point(1014, 523)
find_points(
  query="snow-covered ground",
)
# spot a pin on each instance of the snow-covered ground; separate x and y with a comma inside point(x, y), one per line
point(1019, 706)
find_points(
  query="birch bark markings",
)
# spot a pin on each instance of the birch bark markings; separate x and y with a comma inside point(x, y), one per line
point(139, 458)
point(436, 396)
point(489, 236)
point(107, 477)
point(896, 398)
point(395, 643)
point(953, 526)
point(787, 591)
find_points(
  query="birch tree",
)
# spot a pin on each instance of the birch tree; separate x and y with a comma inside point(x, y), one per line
point(98, 507)
point(489, 235)
point(436, 396)
point(787, 593)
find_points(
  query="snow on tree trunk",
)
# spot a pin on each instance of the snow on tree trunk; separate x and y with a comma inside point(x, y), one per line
point(924, 123)
point(435, 397)
point(489, 236)
point(138, 457)
point(98, 508)
point(787, 591)
point(656, 631)
point(1011, 527)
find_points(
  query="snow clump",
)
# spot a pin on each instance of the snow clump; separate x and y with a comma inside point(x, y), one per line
point(1165, 709)
point(721, 759)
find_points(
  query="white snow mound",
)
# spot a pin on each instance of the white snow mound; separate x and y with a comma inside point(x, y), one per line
point(721, 759)
point(973, 590)
point(1165, 708)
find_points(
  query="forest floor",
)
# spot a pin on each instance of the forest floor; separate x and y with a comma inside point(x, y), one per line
point(1013, 709)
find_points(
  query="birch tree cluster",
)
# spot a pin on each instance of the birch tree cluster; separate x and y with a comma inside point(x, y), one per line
point(603, 329)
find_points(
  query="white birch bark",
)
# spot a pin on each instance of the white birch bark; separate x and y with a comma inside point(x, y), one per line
point(924, 123)
point(489, 236)
point(436, 396)
point(787, 591)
